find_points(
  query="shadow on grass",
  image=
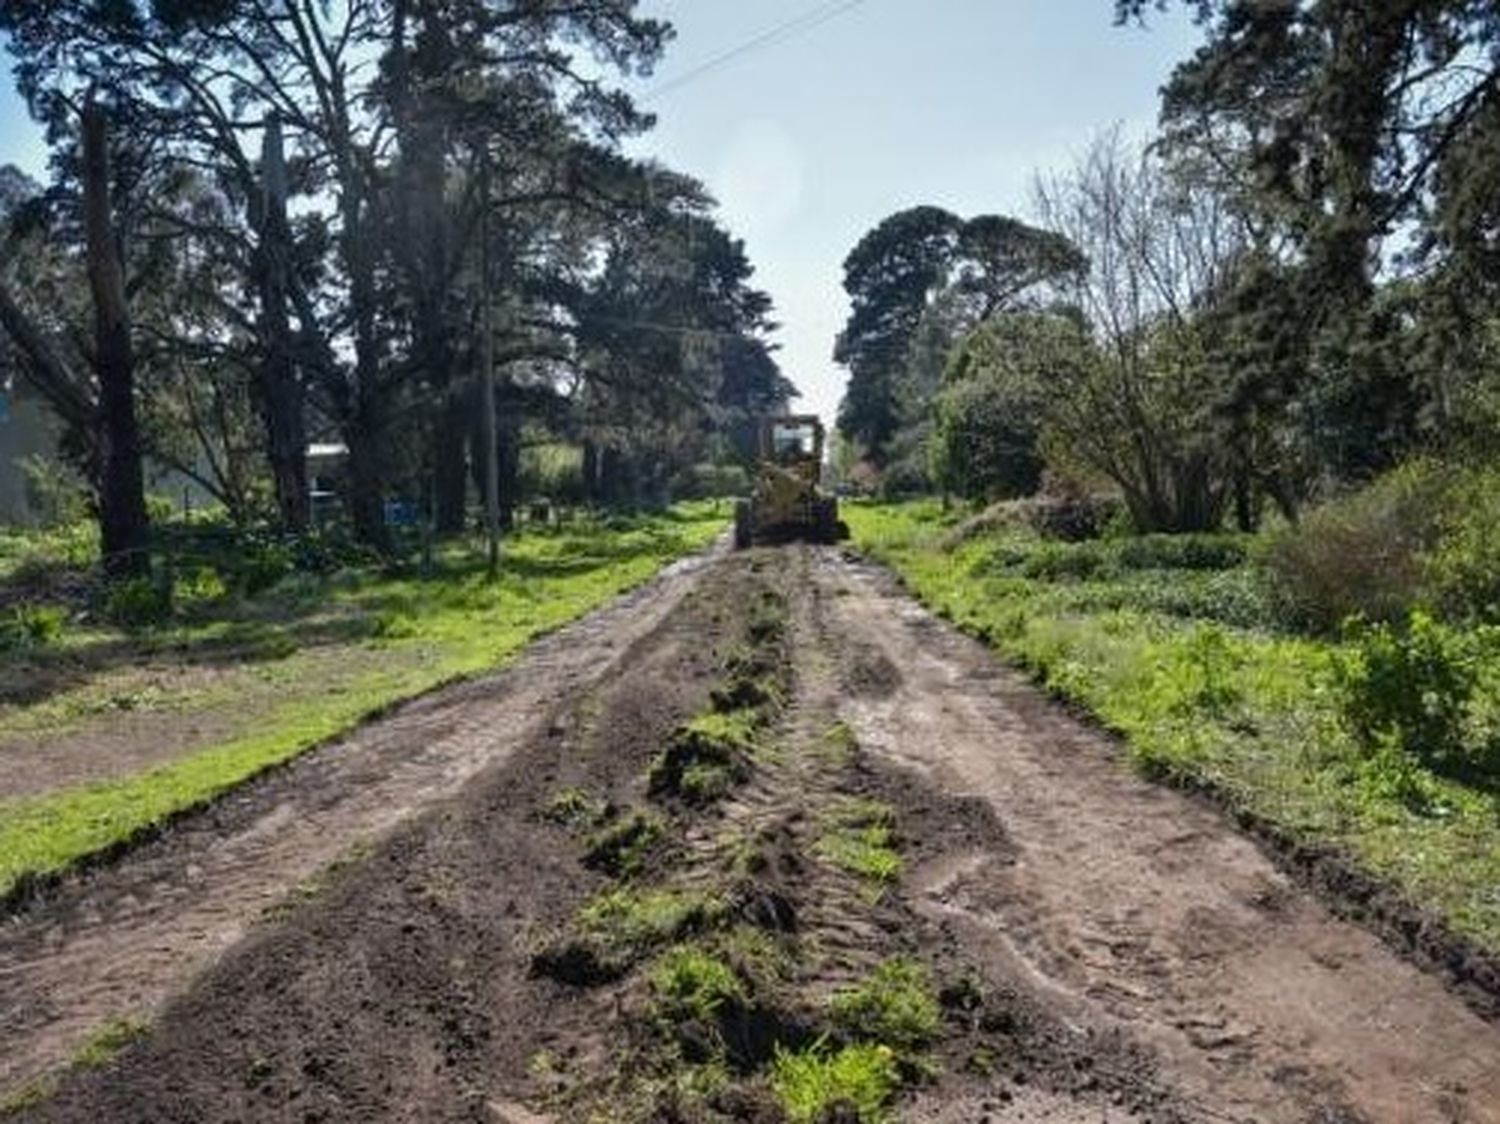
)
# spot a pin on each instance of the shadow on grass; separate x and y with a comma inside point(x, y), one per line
point(309, 611)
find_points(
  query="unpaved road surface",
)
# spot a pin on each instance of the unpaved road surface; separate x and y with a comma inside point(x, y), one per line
point(115, 944)
point(1104, 949)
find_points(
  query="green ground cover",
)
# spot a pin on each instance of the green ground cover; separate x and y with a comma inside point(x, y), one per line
point(1175, 644)
point(301, 662)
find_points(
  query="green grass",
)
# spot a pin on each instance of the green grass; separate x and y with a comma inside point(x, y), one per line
point(895, 1005)
point(640, 919)
point(622, 848)
point(858, 1079)
point(457, 624)
point(858, 836)
point(1189, 666)
point(706, 756)
point(109, 1040)
point(98, 1049)
point(692, 982)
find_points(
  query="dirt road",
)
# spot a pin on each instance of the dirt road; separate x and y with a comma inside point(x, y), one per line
point(114, 944)
point(1102, 948)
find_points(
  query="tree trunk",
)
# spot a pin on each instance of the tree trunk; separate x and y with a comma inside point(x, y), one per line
point(508, 435)
point(508, 456)
point(124, 529)
point(365, 436)
point(590, 473)
point(366, 487)
point(280, 392)
point(450, 470)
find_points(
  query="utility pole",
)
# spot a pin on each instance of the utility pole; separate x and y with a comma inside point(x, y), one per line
point(487, 363)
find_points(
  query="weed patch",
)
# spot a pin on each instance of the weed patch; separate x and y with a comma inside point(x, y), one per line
point(622, 926)
point(858, 837)
point(895, 1005)
point(819, 1083)
point(622, 848)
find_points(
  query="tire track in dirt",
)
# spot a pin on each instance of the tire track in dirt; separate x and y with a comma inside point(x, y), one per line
point(1129, 905)
point(116, 941)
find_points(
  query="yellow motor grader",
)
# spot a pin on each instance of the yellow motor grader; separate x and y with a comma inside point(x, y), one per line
point(786, 503)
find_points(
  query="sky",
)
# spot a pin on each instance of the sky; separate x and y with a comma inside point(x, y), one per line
point(811, 138)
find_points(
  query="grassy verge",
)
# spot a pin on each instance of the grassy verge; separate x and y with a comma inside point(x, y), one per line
point(404, 636)
point(1169, 646)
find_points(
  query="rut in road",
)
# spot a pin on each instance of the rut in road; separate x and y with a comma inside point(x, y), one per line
point(115, 942)
point(1100, 948)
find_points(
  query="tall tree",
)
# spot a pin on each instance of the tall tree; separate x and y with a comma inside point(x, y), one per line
point(890, 275)
point(99, 402)
point(1344, 126)
point(918, 282)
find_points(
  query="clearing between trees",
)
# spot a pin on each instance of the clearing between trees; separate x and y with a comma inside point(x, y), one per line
point(763, 841)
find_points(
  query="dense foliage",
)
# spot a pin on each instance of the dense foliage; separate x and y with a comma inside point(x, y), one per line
point(326, 223)
point(1289, 290)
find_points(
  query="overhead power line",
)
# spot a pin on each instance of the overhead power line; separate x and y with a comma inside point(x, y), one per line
point(798, 25)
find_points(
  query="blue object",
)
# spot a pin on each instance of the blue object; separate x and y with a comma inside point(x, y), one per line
point(401, 513)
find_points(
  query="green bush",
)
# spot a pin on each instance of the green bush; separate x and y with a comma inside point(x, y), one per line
point(31, 626)
point(55, 492)
point(1056, 561)
point(1363, 555)
point(1463, 568)
point(138, 603)
point(1182, 552)
point(1426, 690)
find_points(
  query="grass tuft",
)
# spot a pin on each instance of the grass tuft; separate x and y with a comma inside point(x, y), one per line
point(895, 1005)
point(692, 982)
point(814, 1084)
point(858, 836)
point(622, 848)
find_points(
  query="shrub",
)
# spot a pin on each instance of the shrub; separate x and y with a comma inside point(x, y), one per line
point(138, 603)
point(55, 492)
point(1463, 568)
point(1182, 552)
point(31, 626)
point(1425, 690)
point(1362, 555)
point(1053, 561)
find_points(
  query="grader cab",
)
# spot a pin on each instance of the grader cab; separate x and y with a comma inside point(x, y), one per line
point(786, 503)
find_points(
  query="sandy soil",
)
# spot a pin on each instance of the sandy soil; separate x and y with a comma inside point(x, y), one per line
point(1106, 949)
